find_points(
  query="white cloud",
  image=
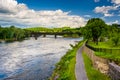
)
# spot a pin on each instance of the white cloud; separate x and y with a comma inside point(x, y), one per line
point(105, 10)
point(14, 13)
point(108, 15)
point(116, 22)
point(113, 22)
point(96, 0)
point(87, 16)
point(11, 6)
point(116, 1)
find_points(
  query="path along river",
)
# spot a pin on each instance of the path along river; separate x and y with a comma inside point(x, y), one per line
point(32, 59)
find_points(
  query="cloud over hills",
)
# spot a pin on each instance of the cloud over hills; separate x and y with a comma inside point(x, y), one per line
point(14, 13)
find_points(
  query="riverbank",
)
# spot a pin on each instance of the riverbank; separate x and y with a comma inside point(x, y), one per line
point(65, 68)
point(8, 40)
point(106, 50)
point(105, 66)
point(12, 40)
point(12, 33)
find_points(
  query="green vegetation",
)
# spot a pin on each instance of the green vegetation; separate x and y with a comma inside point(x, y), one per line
point(62, 29)
point(107, 50)
point(72, 32)
point(111, 56)
point(71, 35)
point(97, 31)
point(94, 29)
point(12, 33)
point(65, 69)
point(106, 44)
point(103, 39)
point(92, 73)
point(40, 29)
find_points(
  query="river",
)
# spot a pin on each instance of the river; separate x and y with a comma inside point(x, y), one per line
point(32, 59)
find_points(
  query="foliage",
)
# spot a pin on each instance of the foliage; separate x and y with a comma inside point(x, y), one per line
point(106, 44)
point(92, 73)
point(116, 40)
point(12, 33)
point(57, 30)
point(94, 29)
point(71, 35)
point(65, 69)
point(114, 34)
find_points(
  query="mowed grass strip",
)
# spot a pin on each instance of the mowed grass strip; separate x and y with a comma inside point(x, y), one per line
point(111, 56)
point(92, 73)
point(111, 52)
point(106, 45)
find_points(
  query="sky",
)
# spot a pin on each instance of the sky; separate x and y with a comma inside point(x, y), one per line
point(57, 13)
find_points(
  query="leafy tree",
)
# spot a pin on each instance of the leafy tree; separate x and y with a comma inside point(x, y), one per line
point(116, 40)
point(114, 34)
point(12, 33)
point(94, 29)
point(4, 33)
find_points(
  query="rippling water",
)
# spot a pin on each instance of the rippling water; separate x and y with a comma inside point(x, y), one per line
point(32, 59)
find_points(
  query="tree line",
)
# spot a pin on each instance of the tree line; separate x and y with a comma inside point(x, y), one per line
point(97, 30)
point(13, 33)
point(62, 29)
point(75, 32)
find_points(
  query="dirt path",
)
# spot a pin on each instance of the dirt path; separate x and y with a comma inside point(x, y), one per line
point(79, 67)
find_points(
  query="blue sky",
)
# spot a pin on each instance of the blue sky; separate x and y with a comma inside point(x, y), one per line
point(57, 13)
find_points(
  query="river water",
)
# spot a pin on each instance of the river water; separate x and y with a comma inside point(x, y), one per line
point(32, 59)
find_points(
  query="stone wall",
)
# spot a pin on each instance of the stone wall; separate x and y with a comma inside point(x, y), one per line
point(99, 63)
point(103, 65)
point(114, 71)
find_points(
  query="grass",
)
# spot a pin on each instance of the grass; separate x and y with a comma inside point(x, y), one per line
point(110, 52)
point(107, 45)
point(65, 69)
point(111, 56)
point(92, 73)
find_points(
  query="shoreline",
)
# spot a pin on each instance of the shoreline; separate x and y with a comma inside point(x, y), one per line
point(65, 68)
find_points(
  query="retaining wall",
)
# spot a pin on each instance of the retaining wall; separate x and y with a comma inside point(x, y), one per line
point(103, 65)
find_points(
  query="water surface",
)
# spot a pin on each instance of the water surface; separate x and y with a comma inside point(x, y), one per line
point(32, 59)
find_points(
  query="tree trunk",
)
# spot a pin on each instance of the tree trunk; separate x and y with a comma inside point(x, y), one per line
point(96, 41)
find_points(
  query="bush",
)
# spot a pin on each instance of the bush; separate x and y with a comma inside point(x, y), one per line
point(115, 40)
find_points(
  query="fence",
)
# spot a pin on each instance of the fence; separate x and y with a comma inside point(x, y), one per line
point(116, 51)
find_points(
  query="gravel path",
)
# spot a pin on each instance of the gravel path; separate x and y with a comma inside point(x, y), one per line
point(79, 67)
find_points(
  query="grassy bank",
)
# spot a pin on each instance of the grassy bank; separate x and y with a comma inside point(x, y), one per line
point(92, 73)
point(107, 45)
point(111, 56)
point(65, 69)
point(109, 51)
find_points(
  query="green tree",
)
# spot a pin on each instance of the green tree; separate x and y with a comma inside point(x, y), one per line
point(4, 33)
point(94, 29)
point(114, 34)
point(115, 40)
